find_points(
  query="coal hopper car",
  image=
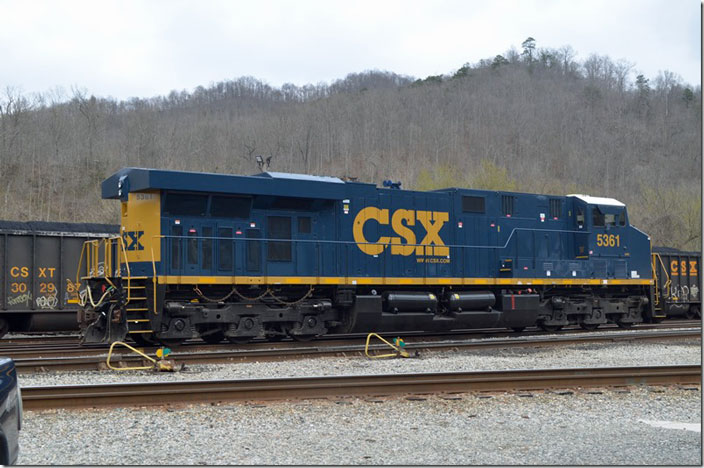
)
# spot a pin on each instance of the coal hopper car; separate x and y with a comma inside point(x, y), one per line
point(38, 262)
point(678, 283)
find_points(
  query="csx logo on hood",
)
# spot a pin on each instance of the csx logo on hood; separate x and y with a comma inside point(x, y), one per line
point(431, 244)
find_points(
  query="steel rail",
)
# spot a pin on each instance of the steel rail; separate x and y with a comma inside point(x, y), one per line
point(68, 342)
point(299, 351)
point(175, 393)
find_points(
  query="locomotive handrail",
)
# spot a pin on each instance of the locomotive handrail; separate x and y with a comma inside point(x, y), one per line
point(347, 245)
point(181, 246)
point(91, 249)
point(154, 279)
point(80, 263)
point(182, 241)
point(386, 244)
point(127, 266)
point(655, 277)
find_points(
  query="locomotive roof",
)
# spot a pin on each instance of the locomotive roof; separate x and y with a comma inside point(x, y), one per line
point(286, 175)
point(133, 179)
point(266, 183)
point(597, 200)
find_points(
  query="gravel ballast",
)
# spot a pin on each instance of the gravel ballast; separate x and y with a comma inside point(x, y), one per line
point(545, 428)
point(506, 429)
point(585, 355)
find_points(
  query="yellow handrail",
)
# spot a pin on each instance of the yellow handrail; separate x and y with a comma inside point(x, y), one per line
point(154, 279)
point(112, 267)
point(95, 258)
point(80, 262)
point(127, 266)
point(107, 267)
point(655, 277)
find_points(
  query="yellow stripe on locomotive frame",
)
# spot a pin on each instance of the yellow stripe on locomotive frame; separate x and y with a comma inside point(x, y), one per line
point(351, 281)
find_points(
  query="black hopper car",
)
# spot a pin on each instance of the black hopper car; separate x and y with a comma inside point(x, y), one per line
point(38, 264)
point(678, 282)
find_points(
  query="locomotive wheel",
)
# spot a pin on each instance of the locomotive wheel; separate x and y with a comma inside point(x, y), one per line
point(309, 324)
point(692, 313)
point(239, 339)
point(212, 335)
point(213, 338)
point(144, 339)
point(303, 338)
point(550, 328)
point(589, 326)
point(627, 324)
point(171, 343)
point(272, 335)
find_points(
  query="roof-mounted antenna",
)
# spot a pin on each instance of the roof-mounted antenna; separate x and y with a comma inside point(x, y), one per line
point(261, 162)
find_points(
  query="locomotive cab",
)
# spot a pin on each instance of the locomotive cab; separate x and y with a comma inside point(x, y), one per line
point(601, 226)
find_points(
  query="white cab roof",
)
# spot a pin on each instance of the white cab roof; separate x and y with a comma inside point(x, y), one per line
point(597, 200)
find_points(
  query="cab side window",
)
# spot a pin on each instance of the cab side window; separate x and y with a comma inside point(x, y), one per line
point(597, 217)
point(622, 218)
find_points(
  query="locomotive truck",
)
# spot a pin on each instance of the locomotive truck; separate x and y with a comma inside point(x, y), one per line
point(271, 255)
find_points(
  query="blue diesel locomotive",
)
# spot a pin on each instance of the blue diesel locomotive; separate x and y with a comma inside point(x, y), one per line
point(272, 255)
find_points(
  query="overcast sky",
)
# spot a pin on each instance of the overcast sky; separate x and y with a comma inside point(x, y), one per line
point(145, 48)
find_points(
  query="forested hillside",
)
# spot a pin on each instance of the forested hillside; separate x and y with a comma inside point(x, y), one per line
point(534, 120)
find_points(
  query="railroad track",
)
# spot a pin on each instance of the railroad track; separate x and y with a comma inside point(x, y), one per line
point(68, 342)
point(71, 343)
point(81, 359)
point(167, 393)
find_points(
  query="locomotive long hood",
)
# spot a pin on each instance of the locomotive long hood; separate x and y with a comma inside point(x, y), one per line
point(132, 179)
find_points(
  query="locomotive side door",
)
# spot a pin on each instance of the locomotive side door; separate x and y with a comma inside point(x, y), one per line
point(192, 251)
point(176, 249)
point(495, 252)
point(581, 236)
point(224, 249)
point(307, 250)
point(253, 252)
point(206, 254)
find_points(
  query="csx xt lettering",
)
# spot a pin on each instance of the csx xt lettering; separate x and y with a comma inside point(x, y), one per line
point(401, 221)
point(131, 239)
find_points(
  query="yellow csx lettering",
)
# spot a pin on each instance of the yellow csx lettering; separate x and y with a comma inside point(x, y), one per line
point(19, 272)
point(431, 244)
point(608, 240)
point(680, 268)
